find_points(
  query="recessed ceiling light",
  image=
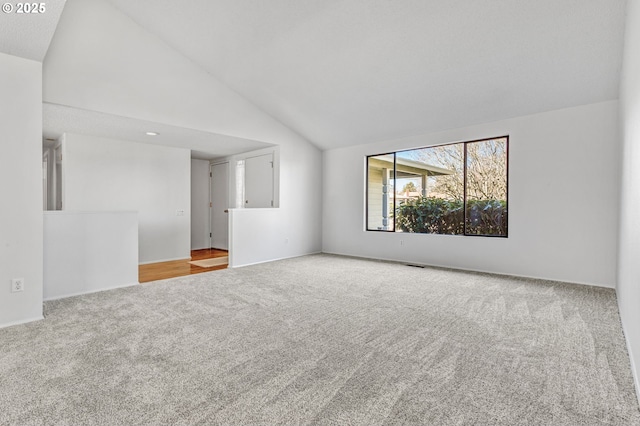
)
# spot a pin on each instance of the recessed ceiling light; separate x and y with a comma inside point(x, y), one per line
point(152, 133)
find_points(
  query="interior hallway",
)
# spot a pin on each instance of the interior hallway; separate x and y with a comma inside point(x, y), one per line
point(179, 268)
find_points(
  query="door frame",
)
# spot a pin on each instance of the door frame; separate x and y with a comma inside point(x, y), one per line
point(58, 178)
point(211, 165)
point(45, 178)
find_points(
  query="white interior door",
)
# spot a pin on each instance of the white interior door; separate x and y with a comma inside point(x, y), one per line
point(258, 181)
point(220, 206)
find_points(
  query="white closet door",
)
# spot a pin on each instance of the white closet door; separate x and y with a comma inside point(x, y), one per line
point(258, 181)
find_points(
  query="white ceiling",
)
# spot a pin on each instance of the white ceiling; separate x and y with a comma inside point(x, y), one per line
point(101, 61)
point(28, 35)
point(59, 119)
point(344, 72)
point(337, 72)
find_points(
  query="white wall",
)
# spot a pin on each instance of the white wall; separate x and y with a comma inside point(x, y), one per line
point(292, 229)
point(629, 250)
point(563, 198)
point(106, 174)
point(78, 259)
point(200, 220)
point(130, 72)
point(101, 60)
point(20, 188)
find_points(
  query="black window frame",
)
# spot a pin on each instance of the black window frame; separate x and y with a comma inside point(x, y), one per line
point(367, 192)
point(464, 199)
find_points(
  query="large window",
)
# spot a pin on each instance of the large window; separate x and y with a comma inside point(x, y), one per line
point(457, 189)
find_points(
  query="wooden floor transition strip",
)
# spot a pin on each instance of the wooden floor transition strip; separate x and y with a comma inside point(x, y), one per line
point(178, 268)
point(209, 263)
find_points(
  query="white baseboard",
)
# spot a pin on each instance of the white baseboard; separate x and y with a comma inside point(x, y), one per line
point(165, 260)
point(457, 268)
point(634, 369)
point(273, 260)
point(64, 296)
point(24, 321)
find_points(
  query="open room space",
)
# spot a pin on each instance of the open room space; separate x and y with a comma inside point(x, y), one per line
point(325, 340)
point(346, 212)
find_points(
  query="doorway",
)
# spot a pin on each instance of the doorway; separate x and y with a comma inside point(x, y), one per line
point(220, 206)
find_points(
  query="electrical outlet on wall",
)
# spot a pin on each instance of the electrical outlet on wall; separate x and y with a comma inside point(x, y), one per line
point(17, 284)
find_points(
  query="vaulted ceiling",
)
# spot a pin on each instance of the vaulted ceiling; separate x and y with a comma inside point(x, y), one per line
point(356, 71)
point(28, 35)
point(337, 72)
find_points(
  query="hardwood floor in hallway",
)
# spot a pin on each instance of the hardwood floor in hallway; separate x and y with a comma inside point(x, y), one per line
point(179, 268)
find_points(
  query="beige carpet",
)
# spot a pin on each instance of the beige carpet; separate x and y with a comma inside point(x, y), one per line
point(323, 340)
point(209, 263)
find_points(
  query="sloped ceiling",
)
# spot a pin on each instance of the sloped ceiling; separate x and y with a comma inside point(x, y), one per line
point(28, 35)
point(356, 71)
point(105, 69)
point(333, 72)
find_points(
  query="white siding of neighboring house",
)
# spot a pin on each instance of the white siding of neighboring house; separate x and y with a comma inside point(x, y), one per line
point(375, 199)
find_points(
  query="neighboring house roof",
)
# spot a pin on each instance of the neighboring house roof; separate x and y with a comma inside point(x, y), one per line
point(407, 167)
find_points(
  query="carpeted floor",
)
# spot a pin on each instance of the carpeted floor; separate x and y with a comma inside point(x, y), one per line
point(323, 340)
